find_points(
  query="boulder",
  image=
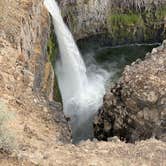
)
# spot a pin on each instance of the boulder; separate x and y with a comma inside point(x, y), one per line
point(135, 107)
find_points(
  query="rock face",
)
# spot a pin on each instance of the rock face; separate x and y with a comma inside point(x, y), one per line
point(85, 17)
point(28, 36)
point(26, 79)
point(135, 108)
point(117, 21)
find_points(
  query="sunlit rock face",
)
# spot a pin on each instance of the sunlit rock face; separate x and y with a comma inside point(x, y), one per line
point(135, 108)
point(28, 32)
point(26, 74)
point(119, 21)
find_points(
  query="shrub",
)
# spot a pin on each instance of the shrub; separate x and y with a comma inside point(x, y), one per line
point(6, 139)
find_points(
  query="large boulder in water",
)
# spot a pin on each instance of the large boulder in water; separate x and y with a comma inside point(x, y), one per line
point(135, 108)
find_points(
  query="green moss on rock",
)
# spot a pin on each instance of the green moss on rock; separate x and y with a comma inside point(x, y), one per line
point(125, 26)
point(52, 51)
point(125, 19)
point(161, 13)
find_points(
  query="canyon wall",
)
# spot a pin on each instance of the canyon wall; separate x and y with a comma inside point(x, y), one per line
point(116, 21)
point(29, 37)
point(27, 80)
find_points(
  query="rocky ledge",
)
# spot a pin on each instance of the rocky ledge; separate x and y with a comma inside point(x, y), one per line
point(135, 108)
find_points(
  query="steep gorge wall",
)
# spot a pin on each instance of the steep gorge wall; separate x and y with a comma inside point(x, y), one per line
point(27, 77)
point(117, 21)
point(33, 46)
point(29, 35)
point(85, 18)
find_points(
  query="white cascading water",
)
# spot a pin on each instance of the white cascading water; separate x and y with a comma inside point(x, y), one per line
point(81, 92)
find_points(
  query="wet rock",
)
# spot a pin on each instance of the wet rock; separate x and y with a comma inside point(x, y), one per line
point(135, 108)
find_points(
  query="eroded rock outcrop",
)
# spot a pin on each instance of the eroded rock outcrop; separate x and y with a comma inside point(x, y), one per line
point(26, 80)
point(135, 108)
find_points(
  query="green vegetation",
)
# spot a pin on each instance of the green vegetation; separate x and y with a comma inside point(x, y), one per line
point(154, 24)
point(132, 26)
point(52, 51)
point(161, 13)
point(124, 27)
point(125, 19)
point(7, 143)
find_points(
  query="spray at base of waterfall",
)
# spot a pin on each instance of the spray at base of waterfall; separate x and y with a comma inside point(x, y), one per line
point(82, 90)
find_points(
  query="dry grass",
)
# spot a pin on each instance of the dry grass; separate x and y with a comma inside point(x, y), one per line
point(7, 144)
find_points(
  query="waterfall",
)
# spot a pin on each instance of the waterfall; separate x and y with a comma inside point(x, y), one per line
point(81, 91)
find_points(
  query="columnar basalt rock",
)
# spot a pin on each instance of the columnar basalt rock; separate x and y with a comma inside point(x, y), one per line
point(135, 108)
point(117, 21)
point(85, 18)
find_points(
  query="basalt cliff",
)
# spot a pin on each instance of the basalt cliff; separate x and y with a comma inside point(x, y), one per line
point(116, 21)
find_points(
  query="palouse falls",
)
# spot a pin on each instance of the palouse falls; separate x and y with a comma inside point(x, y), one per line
point(83, 78)
point(83, 83)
